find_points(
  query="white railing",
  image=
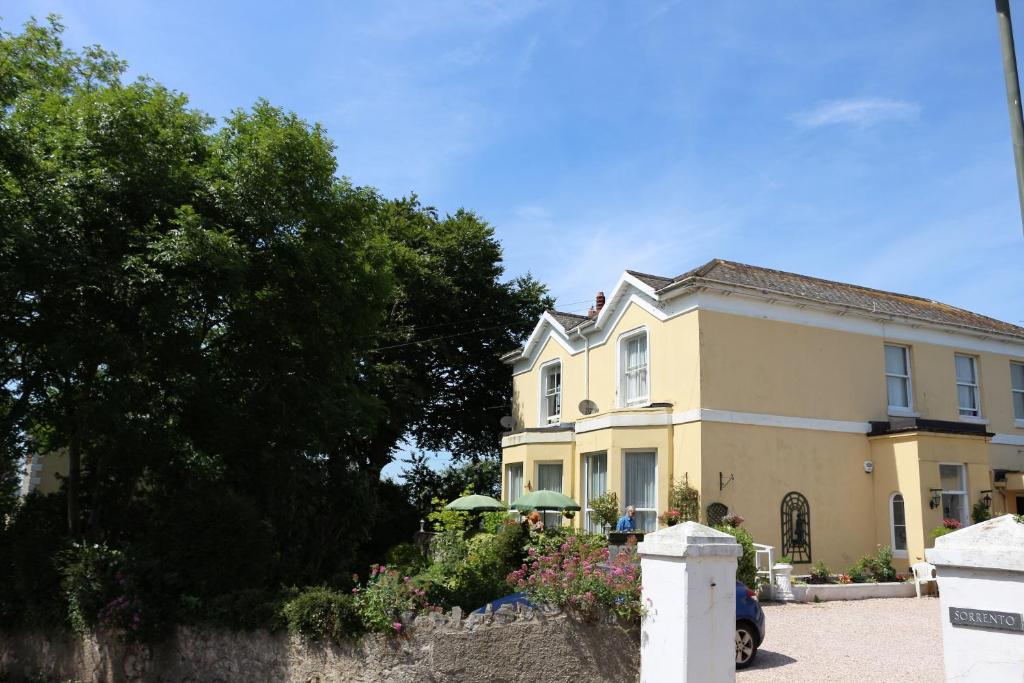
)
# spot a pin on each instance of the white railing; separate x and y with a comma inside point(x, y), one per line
point(764, 560)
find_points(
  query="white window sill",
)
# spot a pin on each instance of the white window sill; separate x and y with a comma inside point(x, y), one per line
point(1019, 424)
point(899, 554)
point(896, 411)
point(974, 420)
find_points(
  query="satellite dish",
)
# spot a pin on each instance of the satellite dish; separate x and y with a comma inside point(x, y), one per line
point(588, 407)
point(508, 422)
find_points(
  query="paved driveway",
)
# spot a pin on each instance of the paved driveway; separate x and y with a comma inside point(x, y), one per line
point(888, 639)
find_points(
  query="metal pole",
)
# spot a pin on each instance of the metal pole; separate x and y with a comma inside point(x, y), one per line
point(1012, 95)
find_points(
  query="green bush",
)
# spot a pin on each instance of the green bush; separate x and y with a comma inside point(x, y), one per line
point(746, 566)
point(30, 593)
point(551, 540)
point(386, 596)
point(876, 568)
point(820, 573)
point(605, 509)
point(980, 513)
point(245, 610)
point(92, 577)
point(408, 558)
point(322, 613)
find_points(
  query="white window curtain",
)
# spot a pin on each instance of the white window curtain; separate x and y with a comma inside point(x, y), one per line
point(954, 492)
point(898, 519)
point(514, 482)
point(595, 480)
point(897, 376)
point(641, 489)
point(549, 477)
point(1017, 382)
point(967, 386)
point(553, 394)
point(634, 363)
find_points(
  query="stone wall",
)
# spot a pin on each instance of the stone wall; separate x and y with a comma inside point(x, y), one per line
point(509, 646)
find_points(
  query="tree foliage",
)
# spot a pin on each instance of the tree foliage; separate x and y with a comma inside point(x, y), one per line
point(229, 340)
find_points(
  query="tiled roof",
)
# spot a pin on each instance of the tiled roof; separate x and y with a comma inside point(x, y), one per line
point(568, 321)
point(815, 289)
point(655, 281)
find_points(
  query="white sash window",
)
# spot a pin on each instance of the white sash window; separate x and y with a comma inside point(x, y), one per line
point(633, 380)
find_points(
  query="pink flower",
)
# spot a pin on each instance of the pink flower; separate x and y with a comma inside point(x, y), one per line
point(397, 626)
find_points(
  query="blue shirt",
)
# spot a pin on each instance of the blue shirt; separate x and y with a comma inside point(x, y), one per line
point(625, 524)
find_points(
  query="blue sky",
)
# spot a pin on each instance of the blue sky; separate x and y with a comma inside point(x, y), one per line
point(859, 141)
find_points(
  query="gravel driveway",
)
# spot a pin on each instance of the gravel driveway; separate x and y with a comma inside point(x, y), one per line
point(886, 639)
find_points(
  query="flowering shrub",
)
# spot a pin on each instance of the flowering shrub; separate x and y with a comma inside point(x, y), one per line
point(949, 525)
point(671, 516)
point(385, 597)
point(578, 575)
point(732, 520)
point(844, 578)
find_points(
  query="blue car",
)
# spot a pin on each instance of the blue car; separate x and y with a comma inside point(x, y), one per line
point(749, 626)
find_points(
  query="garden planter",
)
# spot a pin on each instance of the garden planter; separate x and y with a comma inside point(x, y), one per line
point(783, 582)
point(857, 591)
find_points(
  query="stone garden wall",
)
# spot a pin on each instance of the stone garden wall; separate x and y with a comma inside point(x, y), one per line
point(509, 646)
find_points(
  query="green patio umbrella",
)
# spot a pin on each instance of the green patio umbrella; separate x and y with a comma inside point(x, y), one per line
point(543, 499)
point(475, 504)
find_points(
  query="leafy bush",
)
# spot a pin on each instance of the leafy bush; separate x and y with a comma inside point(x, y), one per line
point(322, 613)
point(551, 540)
point(479, 576)
point(386, 596)
point(408, 558)
point(30, 593)
point(605, 509)
point(980, 512)
point(948, 526)
point(746, 565)
point(820, 573)
point(91, 577)
point(247, 610)
point(577, 575)
point(877, 568)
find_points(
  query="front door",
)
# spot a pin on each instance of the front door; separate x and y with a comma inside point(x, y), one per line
point(1020, 505)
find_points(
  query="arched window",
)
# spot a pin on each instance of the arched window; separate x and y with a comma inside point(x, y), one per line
point(715, 513)
point(897, 525)
point(796, 528)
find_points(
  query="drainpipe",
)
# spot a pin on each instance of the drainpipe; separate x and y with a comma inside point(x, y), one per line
point(1012, 93)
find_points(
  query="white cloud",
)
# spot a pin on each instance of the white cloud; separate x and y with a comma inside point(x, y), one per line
point(858, 111)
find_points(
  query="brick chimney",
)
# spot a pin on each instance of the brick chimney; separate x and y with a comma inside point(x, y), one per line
point(599, 303)
point(591, 313)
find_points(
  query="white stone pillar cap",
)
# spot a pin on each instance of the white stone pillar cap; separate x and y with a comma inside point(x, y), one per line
point(997, 543)
point(689, 539)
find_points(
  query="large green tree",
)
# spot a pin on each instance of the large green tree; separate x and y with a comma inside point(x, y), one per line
point(209, 313)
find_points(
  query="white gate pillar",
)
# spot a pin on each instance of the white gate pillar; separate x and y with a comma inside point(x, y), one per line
point(688, 633)
point(981, 595)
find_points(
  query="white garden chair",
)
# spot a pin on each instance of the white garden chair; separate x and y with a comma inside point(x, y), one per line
point(923, 573)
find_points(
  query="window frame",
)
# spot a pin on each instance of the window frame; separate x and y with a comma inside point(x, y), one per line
point(963, 493)
point(508, 480)
point(1018, 420)
point(552, 518)
point(621, 370)
point(975, 387)
point(544, 419)
point(897, 552)
point(907, 410)
point(625, 503)
point(587, 510)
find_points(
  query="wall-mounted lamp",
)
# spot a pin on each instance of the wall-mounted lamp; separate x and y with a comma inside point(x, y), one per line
point(936, 500)
point(986, 498)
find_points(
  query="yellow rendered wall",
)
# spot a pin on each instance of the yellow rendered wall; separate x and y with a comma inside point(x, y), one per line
point(765, 366)
point(674, 369)
point(766, 463)
point(897, 470)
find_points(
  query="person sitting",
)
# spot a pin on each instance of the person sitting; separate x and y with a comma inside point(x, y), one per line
point(626, 522)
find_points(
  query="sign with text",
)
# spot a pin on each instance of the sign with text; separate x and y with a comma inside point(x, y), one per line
point(982, 618)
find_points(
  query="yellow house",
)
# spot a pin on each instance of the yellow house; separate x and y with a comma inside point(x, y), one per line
point(833, 418)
